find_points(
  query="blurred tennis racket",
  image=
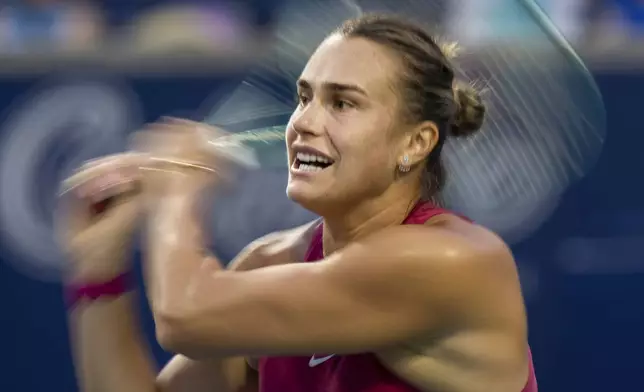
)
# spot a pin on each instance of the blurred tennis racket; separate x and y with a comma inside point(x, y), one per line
point(545, 125)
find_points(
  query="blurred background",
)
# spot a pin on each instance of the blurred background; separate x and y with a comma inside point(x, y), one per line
point(76, 77)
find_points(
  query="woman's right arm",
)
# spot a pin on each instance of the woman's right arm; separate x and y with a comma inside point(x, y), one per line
point(108, 345)
point(110, 355)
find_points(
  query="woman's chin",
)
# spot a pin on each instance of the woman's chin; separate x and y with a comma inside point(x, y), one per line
point(307, 196)
point(299, 192)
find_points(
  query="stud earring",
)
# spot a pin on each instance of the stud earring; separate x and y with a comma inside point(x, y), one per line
point(404, 166)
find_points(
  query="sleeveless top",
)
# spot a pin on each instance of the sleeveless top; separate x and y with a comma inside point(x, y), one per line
point(343, 373)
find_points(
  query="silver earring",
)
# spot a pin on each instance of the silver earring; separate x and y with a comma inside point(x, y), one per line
point(404, 166)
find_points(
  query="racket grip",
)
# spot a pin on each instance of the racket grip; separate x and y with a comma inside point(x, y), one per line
point(99, 207)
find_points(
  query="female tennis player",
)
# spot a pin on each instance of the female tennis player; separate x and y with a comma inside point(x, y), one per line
point(386, 293)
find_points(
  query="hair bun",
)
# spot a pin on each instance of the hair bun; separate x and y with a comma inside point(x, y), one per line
point(470, 111)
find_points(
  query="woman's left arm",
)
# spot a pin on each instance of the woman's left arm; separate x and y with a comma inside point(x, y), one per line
point(394, 285)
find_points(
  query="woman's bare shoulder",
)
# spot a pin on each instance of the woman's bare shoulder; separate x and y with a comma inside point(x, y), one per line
point(464, 233)
point(280, 247)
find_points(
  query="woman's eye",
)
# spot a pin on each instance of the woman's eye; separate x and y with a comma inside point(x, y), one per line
point(341, 104)
point(302, 99)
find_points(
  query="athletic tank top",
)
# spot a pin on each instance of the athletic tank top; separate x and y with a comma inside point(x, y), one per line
point(343, 373)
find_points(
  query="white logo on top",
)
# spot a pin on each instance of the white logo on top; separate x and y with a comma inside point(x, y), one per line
point(313, 362)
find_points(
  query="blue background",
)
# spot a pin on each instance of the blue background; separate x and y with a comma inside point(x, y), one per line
point(586, 323)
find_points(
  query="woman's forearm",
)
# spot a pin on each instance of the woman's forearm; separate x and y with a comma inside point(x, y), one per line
point(110, 355)
point(109, 350)
point(176, 264)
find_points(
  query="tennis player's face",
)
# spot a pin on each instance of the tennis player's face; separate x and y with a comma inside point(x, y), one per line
point(342, 137)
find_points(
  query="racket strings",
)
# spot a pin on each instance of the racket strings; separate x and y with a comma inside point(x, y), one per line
point(545, 121)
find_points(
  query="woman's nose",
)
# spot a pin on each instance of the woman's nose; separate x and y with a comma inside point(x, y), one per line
point(309, 119)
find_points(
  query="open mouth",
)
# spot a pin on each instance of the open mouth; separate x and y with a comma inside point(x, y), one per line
point(305, 162)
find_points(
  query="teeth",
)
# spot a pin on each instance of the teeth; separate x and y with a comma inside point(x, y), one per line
point(308, 168)
point(303, 157)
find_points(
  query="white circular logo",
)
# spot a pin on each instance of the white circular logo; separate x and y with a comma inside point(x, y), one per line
point(49, 134)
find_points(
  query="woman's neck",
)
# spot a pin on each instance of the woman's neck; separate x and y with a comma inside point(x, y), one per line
point(390, 209)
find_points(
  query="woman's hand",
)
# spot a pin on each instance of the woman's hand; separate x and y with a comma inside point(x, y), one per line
point(181, 158)
point(98, 213)
point(103, 201)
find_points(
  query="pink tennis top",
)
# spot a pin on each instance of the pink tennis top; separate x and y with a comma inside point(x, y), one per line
point(344, 373)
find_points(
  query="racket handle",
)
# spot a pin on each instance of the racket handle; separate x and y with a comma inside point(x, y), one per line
point(101, 206)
